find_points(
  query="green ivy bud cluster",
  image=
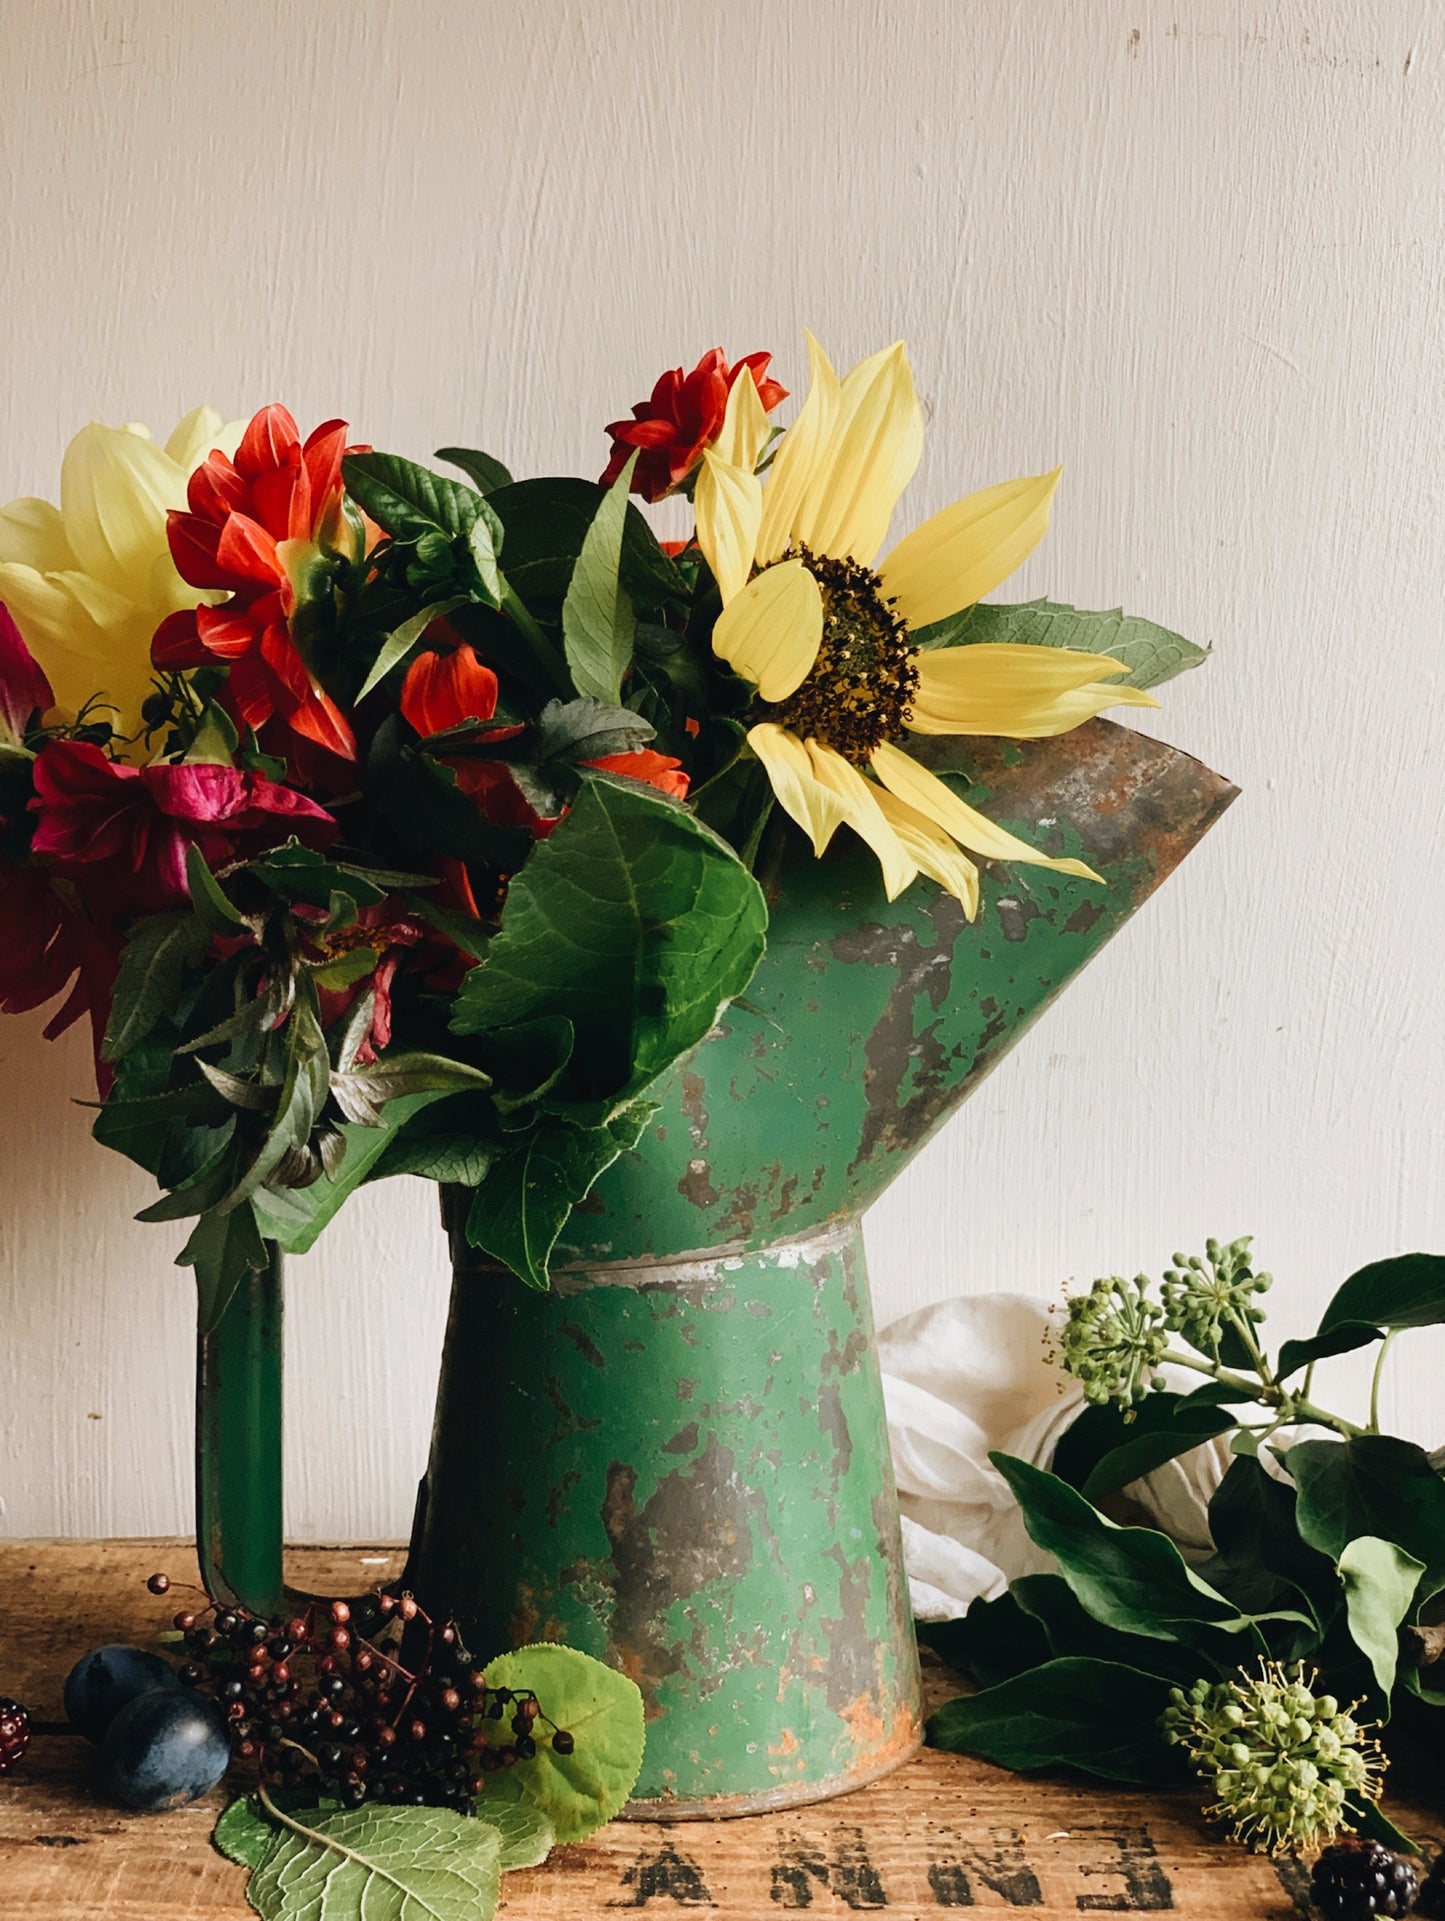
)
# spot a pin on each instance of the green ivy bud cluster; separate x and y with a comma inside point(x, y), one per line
point(1280, 1760)
point(1113, 1340)
point(1204, 1297)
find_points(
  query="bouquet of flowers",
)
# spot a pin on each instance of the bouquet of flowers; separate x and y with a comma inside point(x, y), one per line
point(383, 822)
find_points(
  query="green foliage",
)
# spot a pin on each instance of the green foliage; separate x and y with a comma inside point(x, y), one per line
point(152, 971)
point(602, 1710)
point(1152, 654)
point(1092, 1715)
point(485, 473)
point(597, 618)
point(1379, 1581)
point(388, 1864)
point(407, 500)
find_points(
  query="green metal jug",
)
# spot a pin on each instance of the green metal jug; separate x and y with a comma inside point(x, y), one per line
point(677, 1459)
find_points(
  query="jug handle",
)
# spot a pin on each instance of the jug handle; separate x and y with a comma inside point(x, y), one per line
point(239, 1410)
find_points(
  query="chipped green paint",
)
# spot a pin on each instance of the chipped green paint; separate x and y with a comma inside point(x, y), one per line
point(689, 1479)
point(677, 1459)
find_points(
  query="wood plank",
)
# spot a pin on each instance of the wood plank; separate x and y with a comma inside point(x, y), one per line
point(941, 1833)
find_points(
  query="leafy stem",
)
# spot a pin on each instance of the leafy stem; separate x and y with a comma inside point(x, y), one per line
point(1267, 1392)
point(1376, 1377)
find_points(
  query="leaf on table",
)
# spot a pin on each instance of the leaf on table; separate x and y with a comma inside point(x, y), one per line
point(1152, 654)
point(1379, 1580)
point(527, 1835)
point(602, 1711)
point(1093, 1715)
point(242, 1833)
point(386, 1864)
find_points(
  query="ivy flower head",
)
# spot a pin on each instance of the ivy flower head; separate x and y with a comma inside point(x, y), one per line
point(1202, 1298)
point(1113, 1340)
point(825, 631)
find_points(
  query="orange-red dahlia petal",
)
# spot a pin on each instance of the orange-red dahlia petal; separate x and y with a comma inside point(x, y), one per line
point(266, 441)
point(656, 770)
point(194, 543)
point(248, 552)
point(443, 690)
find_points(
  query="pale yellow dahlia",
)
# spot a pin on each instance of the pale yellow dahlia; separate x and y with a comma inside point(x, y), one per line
point(827, 639)
point(88, 582)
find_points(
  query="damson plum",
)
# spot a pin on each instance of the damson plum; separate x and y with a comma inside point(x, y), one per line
point(165, 1748)
point(103, 1682)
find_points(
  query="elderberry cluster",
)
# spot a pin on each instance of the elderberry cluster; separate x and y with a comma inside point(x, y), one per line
point(370, 1700)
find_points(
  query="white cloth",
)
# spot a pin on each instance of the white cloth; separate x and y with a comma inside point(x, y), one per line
point(970, 1376)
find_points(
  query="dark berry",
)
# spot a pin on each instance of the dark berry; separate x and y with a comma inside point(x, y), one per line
point(108, 1679)
point(562, 1742)
point(226, 1624)
point(526, 1747)
point(158, 1583)
point(165, 1748)
point(1357, 1879)
point(1431, 1899)
point(14, 1733)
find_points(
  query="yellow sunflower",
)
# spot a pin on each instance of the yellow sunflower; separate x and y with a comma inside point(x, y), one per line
point(827, 639)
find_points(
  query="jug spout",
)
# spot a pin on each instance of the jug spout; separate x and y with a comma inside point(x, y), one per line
point(870, 1021)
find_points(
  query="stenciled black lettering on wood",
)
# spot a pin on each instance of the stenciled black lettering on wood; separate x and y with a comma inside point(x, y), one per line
point(1000, 1866)
point(665, 1875)
point(1146, 1886)
point(849, 1873)
point(1294, 1877)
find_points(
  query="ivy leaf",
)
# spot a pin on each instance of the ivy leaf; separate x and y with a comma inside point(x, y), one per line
point(487, 474)
point(152, 971)
point(597, 618)
point(670, 922)
point(1375, 1485)
point(1379, 1580)
point(389, 1864)
point(522, 1205)
point(1101, 1451)
point(407, 500)
point(1152, 654)
point(242, 1833)
point(602, 1711)
point(1406, 1291)
point(1093, 1715)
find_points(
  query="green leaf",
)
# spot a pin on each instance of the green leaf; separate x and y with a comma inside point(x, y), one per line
point(152, 970)
point(213, 909)
point(1093, 1715)
point(223, 1250)
point(206, 1188)
point(633, 921)
point(484, 543)
point(602, 1711)
point(527, 1836)
point(1152, 654)
point(1130, 1578)
point(1369, 1819)
point(546, 522)
point(361, 1093)
point(353, 965)
point(1373, 1484)
point(487, 473)
point(388, 1864)
point(995, 1640)
point(1405, 1291)
point(400, 641)
point(1102, 1450)
point(522, 1205)
point(1379, 1581)
point(242, 1833)
point(597, 618)
point(1070, 1629)
point(589, 729)
point(1253, 1526)
point(408, 500)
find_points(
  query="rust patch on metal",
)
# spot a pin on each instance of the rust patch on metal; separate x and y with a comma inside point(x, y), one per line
point(696, 1183)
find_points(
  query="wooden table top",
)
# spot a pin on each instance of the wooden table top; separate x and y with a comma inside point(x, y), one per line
point(941, 1833)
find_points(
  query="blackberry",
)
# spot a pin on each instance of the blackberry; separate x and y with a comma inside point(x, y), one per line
point(1431, 1899)
point(1356, 1879)
point(14, 1733)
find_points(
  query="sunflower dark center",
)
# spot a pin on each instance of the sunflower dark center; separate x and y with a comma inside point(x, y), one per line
point(860, 691)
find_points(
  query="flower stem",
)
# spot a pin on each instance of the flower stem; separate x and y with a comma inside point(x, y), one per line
point(1374, 1427)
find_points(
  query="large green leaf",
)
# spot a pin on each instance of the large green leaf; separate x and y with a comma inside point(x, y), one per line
point(1253, 1527)
point(152, 969)
point(1130, 1578)
point(522, 1205)
point(635, 922)
point(527, 1836)
point(995, 1640)
point(386, 1864)
point(1070, 1629)
point(408, 500)
point(597, 618)
point(1372, 1484)
point(1093, 1715)
point(1379, 1581)
point(546, 522)
point(486, 473)
point(602, 1711)
point(1406, 1291)
point(1152, 654)
point(243, 1834)
point(223, 1250)
point(1103, 1450)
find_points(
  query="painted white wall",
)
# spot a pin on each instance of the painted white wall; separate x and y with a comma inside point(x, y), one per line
point(1191, 247)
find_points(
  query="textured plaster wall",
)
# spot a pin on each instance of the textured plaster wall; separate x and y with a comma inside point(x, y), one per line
point(1193, 250)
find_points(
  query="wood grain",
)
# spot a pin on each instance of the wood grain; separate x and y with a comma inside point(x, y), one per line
point(942, 1833)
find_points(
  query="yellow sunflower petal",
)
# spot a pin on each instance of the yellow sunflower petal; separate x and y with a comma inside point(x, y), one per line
point(963, 553)
point(792, 470)
point(816, 809)
point(728, 503)
point(1023, 693)
point(864, 816)
point(771, 631)
point(918, 788)
point(869, 459)
point(936, 854)
point(745, 425)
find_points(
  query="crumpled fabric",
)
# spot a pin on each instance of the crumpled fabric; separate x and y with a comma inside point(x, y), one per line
point(970, 1376)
